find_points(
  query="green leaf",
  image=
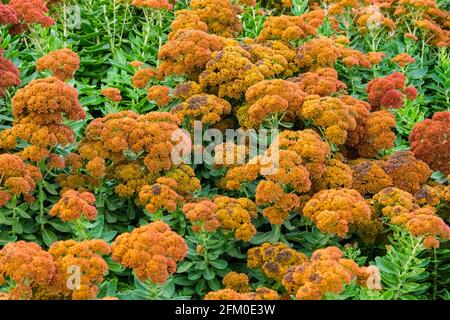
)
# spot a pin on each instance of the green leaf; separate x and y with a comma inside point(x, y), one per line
point(209, 274)
point(183, 267)
point(219, 264)
point(48, 237)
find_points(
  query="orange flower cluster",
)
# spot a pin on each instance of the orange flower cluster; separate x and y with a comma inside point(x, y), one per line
point(230, 73)
point(186, 89)
point(291, 28)
point(9, 74)
point(424, 222)
point(221, 16)
point(403, 59)
point(202, 215)
point(62, 63)
point(400, 207)
point(318, 53)
point(326, 272)
point(75, 205)
point(378, 134)
point(229, 154)
point(274, 259)
point(38, 109)
point(44, 275)
point(159, 94)
point(262, 293)
point(186, 19)
point(388, 92)
point(337, 175)
point(429, 196)
point(337, 211)
point(355, 58)
point(16, 178)
point(112, 94)
point(369, 177)
point(273, 58)
point(273, 96)
point(322, 82)
point(125, 136)
point(160, 195)
point(236, 281)
point(360, 111)
point(28, 12)
point(236, 215)
point(142, 77)
point(206, 108)
point(309, 146)
point(28, 265)
point(430, 141)
point(188, 52)
point(407, 172)
point(152, 4)
point(330, 114)
point(152, 251)
point(280, 204)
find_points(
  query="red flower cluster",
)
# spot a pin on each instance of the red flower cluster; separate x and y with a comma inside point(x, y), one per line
point(29, 12)
point(430, 141)
point(152, 251)
point(389, 91)
point(9, 74)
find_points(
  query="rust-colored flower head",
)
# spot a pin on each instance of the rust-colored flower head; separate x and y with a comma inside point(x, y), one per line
point(403, 59)
point(291, 28)
point(142, 77)
point(8, 15)
point(160, 195)
point(370, 18)
point(46, 100)
point(430, 140)
point(436, 35)
point(389, 91)
point(318, 53)
point(75, 205)
point(376, 57)
point(337, 175)
point(202, 215)
point(221, 16)
point(236, 215)
point(112, 94)
point(28, 265)
point(236, 281)
point(360, 111)
point(152, 4)
point(355, 58)
point(393, 201)
point(16, 177)
point(209, 109)
point(337, 211)
point(187, 52)
point(62, 63)
point(186, 19)
point(159, 94)
point(369, 177)
point(378, 134)
point(322, 82)
point(152, 251)
point(309, 146)
point(9, 74)
point(424, 222)
point(186, 90)
point(71, 256)
point(30, 12)
point(230, 73)
point(262, 293)
point(407, 172)
point(330, 114)
point(429, 195)
point(325, 272)
point(274, 96)
point(274, 259)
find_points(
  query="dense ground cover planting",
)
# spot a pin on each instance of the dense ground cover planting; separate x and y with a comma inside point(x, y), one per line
point(348, 198)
